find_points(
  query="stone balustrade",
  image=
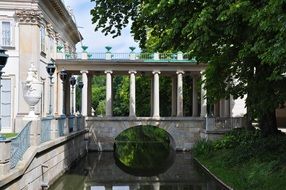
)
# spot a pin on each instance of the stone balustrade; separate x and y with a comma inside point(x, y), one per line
point(153, 57)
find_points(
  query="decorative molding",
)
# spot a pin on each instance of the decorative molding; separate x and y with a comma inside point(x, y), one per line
point(34, 17)
point(50, 30)
point(57, 37)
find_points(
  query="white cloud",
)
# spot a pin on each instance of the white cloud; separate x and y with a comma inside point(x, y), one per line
point(96, 41)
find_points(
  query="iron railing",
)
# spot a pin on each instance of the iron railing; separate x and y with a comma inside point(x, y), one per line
point(19, 145)
point(46, 129)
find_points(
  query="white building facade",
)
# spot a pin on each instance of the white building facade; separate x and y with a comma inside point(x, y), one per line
point(32, 31)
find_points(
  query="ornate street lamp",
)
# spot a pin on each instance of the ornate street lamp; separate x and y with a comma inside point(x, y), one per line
point(63, 77)
point(72, 83)
point(3, 61)
point(50, 70)
point(80, 86)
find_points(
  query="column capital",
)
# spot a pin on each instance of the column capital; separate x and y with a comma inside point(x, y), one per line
point(132, 72)
point(32, 16)
point(180, 72)
point(108, 71)
point(83, 71)
point(156, 72)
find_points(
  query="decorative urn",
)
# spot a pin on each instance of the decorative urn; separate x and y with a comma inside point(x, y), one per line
point(32, 90)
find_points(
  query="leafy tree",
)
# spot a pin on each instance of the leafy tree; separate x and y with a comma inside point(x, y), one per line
point(121, 96)
point(242, 41)
point(98, 95)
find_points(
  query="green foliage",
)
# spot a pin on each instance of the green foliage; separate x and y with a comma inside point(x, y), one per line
point(98, 95)
point(142, 147)
point(9, 135)
point(203, 147)
point(121, 96)
point(245, 159)
point(143, 93)
point(165, 96)
point(143, 96)
point(237, 137)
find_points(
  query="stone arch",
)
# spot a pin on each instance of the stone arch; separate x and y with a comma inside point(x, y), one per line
point(104, 131)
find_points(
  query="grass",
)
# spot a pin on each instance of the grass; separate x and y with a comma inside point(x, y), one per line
point(9, 135)
point(246, 160)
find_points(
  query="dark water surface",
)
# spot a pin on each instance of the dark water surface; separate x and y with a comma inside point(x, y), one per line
point(99, 171)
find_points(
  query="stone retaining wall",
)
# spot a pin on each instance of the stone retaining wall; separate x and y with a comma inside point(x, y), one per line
point(42, 165)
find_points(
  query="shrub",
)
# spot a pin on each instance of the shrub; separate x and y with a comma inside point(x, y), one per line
point(203, 147)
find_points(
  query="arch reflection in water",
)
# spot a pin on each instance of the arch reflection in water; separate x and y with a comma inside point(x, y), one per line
point(144, 150)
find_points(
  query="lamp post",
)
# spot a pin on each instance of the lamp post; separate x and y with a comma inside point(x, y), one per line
point(63, 76)
point(80, 86)
point(3, 61)
point(72, 83)
point(50, 70)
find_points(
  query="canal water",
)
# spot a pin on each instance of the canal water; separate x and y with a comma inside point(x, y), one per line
point(101, 171)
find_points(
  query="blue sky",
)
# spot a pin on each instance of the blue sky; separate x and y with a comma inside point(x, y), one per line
point(96, 41)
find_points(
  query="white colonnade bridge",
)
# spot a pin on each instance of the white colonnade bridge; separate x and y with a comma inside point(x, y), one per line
point(103, 130)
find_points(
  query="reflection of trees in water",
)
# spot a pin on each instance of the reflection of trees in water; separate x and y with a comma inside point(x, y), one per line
point(143, 148)
point(99, 169)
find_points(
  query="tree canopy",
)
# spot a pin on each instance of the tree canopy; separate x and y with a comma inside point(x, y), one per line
point(242, 41)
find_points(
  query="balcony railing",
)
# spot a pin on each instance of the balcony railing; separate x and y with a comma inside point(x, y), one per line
point(145, 57)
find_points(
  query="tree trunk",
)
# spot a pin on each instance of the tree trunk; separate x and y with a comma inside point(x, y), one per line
point(249, 120)
point(268, 123)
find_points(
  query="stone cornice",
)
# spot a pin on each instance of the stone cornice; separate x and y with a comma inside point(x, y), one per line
point(60, 8)
point(30, 16)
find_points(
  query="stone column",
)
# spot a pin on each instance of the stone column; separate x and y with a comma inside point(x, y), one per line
point(156, 105)
point(203, 98)
point(226, 108)
point(67, 95)
point(74, 98)
point(132, 95)
point(108, 108)
point(221, 108)
point(59, 95)
point(216, 109)
point(84, 93)
point(152, 97)
point(89, 94)
point(180, 103)
point(174, 96)
point(195, 98)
